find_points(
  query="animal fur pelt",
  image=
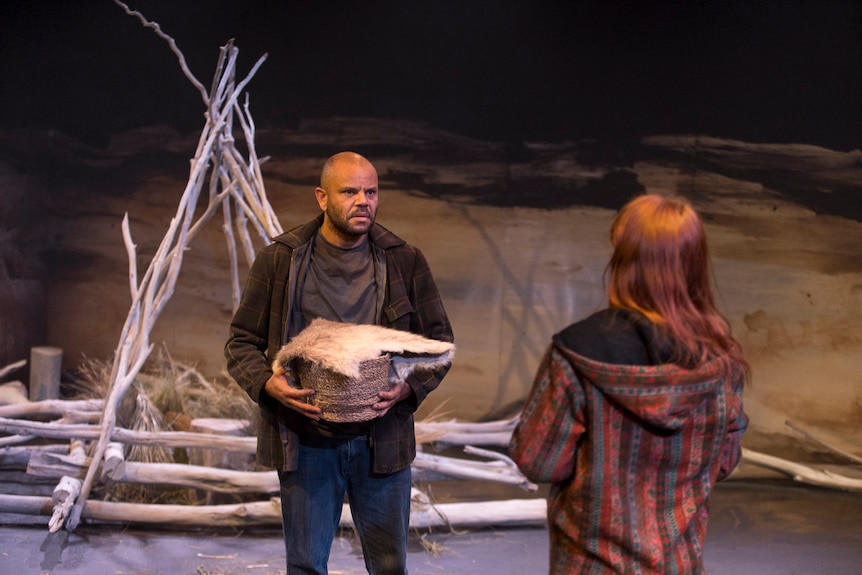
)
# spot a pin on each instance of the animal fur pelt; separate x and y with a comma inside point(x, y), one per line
point(341, 347)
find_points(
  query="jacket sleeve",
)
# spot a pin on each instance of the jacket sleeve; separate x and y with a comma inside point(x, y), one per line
point(731, 451)
point(422, 308)
point(246, 348)
point(545, 442)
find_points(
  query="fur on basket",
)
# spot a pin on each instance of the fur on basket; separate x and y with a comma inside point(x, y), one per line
point(342, 347)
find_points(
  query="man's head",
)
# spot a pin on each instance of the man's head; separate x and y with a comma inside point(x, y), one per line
point(348, 197)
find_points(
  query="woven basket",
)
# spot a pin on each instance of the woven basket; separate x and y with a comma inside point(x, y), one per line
point(342, 398)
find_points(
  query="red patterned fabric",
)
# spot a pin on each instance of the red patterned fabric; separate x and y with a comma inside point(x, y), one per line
point(632, 453)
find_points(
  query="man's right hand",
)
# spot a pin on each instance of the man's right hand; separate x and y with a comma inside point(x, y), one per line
point(296, 399)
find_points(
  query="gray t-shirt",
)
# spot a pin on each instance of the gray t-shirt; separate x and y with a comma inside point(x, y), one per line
point(340, 284)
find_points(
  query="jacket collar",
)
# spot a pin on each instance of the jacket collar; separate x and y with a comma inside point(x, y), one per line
point(302, 234)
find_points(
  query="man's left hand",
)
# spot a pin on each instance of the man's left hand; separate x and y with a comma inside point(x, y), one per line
point(389, 398)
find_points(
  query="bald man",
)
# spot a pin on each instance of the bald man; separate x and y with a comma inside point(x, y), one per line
point(345, 267)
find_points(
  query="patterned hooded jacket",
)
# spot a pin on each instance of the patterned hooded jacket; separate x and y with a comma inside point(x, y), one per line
point(632, 446)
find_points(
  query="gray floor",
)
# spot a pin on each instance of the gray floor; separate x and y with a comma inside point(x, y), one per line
point(757, 527)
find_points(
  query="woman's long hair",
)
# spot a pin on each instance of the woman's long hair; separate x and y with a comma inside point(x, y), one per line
point(661, 268)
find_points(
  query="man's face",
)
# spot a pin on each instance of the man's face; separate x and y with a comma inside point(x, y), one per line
point(348, 201)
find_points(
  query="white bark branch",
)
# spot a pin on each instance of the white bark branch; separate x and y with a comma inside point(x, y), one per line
point(172, 43)
point(802, 473)
point(51, 408)
point(63, 498)
point(12, 367)
point(54, 430)
point(497, 433)
point(514, 512)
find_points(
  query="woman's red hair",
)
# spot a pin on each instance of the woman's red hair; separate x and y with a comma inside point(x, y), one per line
point(661, 268)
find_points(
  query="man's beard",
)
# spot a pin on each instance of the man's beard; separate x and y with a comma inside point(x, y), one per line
point(347, 231)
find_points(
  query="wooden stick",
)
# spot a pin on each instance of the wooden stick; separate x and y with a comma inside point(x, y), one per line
point(245, 209)
point(17, 458)
point(270, 220)
point(233, 258)
point(455, 426)
point(512, 512)
point(11, 440)
point(496, 438)
point(802, 473)
point(55, 430)
point(172, 43)
point(178, 516)
point(241, 224)
point(114, 466)
point(51, 407)
point(77, 453)
point(63, 498)
point(12, 367)
point(49, 464)
point(464, 469)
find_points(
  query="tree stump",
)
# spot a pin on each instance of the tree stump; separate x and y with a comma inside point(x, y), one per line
point(45, 366)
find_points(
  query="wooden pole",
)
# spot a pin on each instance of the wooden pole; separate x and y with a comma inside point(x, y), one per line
point(506, 513)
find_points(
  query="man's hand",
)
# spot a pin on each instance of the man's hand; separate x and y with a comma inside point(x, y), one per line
point(296, 399)
point(389, 398)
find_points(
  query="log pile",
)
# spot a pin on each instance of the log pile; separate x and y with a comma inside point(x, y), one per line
point(50, 442)
point(44, 457)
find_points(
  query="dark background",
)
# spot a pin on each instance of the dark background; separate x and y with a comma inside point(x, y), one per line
point(508, 70)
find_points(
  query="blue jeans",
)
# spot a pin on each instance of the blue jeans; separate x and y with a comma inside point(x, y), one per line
point(311, 502)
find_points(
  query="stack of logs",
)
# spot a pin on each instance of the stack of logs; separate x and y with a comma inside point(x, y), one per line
point(49, 449)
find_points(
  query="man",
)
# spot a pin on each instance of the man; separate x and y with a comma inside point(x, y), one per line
point(345, 267)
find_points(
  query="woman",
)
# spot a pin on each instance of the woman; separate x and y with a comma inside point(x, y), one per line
point(636, 411)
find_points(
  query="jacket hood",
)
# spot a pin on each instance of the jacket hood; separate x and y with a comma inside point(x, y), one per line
point(662, 396)
point(628, 359)
point(304, 233)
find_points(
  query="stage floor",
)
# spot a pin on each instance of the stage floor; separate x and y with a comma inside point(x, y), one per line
point(759, 527)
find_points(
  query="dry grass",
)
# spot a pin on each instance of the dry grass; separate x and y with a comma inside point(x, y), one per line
point(169, 386)
point(425, 434)
point(164, 386)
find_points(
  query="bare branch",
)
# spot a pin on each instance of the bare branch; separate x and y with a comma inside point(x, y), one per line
point(172, 43)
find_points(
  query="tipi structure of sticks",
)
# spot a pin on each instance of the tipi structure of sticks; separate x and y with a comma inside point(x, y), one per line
point(234, 185)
